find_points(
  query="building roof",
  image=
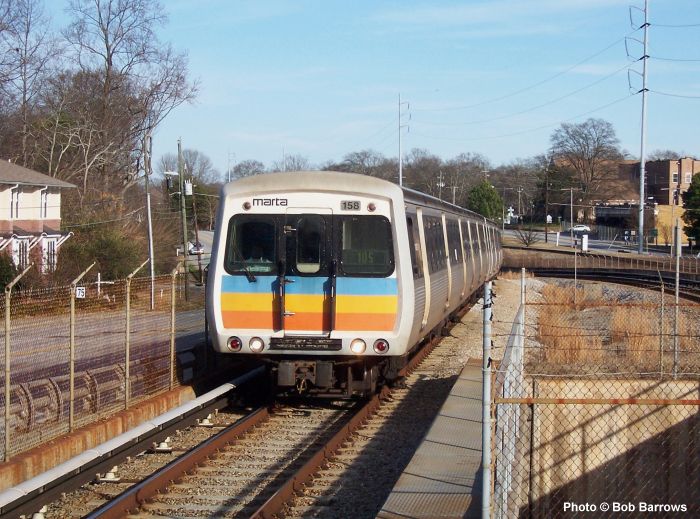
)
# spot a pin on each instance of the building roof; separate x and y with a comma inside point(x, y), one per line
point(14, 174)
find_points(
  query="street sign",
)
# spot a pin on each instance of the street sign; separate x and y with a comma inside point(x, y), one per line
point(80, 292)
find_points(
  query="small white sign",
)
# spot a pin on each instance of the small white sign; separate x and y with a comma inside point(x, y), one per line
point(80, 292)
point(584, 243)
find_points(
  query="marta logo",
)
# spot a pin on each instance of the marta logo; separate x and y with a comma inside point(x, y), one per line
point(270, 201)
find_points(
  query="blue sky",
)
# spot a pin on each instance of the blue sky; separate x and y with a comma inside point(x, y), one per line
point(322, 78)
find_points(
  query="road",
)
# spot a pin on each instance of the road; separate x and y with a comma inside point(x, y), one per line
point(597, 245)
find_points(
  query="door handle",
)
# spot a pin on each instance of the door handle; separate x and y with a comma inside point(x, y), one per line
point(288, 314)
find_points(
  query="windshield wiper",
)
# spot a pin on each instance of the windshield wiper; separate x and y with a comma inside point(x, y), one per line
point(248, 274)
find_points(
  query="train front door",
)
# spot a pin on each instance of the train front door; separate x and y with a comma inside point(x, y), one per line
point(308, 272)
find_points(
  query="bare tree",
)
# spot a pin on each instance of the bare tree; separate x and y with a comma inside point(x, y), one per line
point(590, 150)
point(664, 155)
point(293, 162)
point(8, 52)
point(35, 50)
point(422, 172)
point(140, 80)
point(248, 168)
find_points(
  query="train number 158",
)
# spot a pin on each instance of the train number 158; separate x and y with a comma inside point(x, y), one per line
point(350, 205)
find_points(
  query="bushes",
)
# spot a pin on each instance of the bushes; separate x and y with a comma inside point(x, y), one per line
point(7, 269)
point(116, 254)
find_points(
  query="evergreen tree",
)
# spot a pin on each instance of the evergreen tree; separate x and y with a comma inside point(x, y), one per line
point(485, 200)
point(691, 204)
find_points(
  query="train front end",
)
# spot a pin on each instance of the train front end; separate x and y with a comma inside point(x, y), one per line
point(305, 276)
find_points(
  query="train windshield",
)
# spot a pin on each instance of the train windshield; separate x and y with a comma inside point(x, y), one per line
point(252, 245)
point(362, 245)
point(366, 247)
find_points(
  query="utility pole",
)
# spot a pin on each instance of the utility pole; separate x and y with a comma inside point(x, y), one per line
point(645, 58)
point(147, 151)
point(196, 235)
point(571, 206)
point(546, 204)
point(454, 191)
point(440, 185)
point(677, 239)
point(401, 126)
point(180, 175)
point(229, 164)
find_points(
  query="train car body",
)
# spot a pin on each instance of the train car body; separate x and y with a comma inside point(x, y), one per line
point(333, 278)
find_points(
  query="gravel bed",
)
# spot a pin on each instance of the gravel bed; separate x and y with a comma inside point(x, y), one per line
point(372, 462)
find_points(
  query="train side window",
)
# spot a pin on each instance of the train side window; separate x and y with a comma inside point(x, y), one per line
point(435, 243)
point(414, 246)
point(251, 245)
point(455, 248)
point(466, 228)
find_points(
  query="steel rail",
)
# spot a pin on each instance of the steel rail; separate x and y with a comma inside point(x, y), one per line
point(689, 290)
point(298, 480)
point(132, 498)
point(29, 496)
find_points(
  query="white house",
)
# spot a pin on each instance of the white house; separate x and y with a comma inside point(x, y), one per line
point(30, 215)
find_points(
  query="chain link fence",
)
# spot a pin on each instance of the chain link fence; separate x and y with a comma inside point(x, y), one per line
point(74, 355)
point(596, 405)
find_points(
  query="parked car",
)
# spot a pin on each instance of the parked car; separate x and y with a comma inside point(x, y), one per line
point(579, 227)
point(195, 248)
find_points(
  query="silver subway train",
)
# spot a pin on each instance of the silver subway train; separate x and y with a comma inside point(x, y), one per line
point(333, 279)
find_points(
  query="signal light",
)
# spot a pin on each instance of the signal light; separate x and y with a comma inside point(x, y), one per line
point(381, 346)
point(234, 344)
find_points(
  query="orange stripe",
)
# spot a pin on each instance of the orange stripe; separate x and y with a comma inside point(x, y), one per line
point(311, 321)
point(236, 319)
point(382, 322)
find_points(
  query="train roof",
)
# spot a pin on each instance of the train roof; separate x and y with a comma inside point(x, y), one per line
point(312, 181)
point(337, 181)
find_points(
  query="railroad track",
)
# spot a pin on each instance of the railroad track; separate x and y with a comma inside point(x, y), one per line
point(295, 459)
point(689, 290)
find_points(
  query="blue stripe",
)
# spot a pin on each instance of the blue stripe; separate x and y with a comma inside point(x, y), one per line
point(367, 286)
point(307, 285)
point(239, 284)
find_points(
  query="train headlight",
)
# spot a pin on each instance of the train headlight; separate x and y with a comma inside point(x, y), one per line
point(256, 344)
point(358, 346)
point(381, 346)
point(234, 344)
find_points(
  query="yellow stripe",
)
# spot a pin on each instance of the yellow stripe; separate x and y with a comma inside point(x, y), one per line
point(303, 302)
point(366, 304)
point(232, 302)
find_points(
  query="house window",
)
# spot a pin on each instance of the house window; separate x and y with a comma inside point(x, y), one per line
point(688, 177)
point(14, 204)
point(675, 177)
point(44, 210)
point(49, 255)
point(21, 256)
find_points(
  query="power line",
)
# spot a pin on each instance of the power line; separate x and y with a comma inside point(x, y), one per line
point(530, 130)
point(673, 26)
point(674, 59)
point(536, 107)
point(530, 87)
point(668, 94)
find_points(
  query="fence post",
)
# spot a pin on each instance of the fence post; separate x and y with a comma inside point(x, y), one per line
point(172, 326)
point(486, 406)
point(127, 342)
point(71, 397)
point(8, 355)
